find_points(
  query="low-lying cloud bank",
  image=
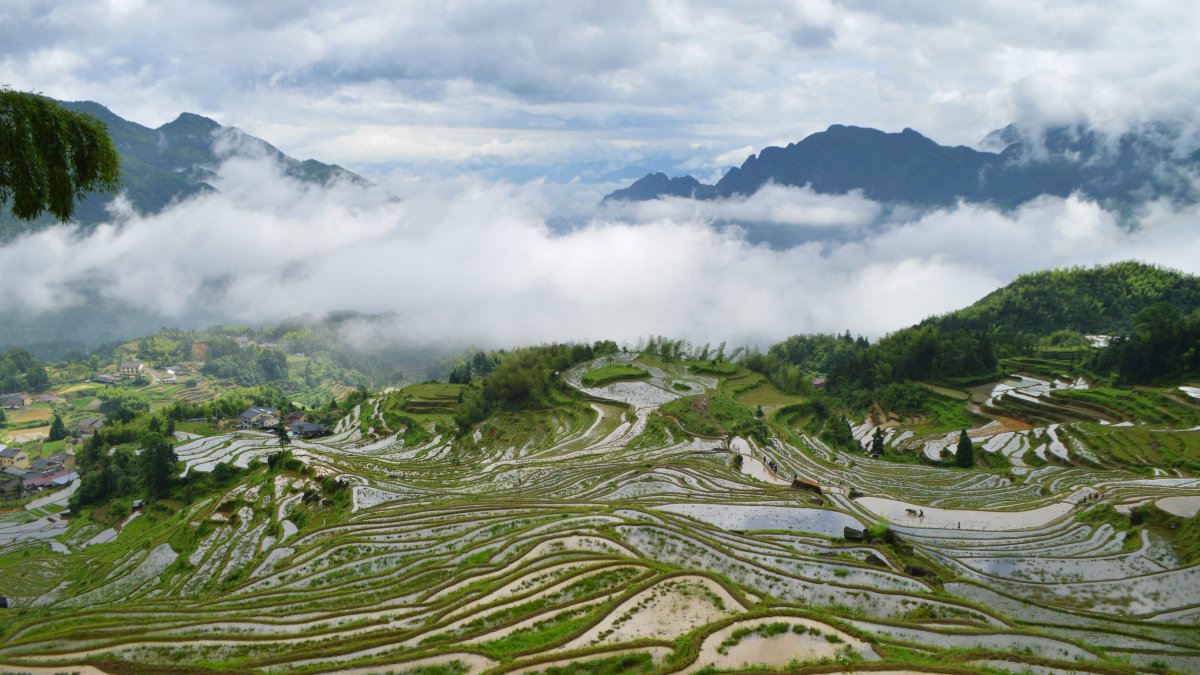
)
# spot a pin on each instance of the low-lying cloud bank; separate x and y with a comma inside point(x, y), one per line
point(469, 262)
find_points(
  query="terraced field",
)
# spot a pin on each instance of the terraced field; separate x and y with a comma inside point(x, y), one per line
point(607, 539)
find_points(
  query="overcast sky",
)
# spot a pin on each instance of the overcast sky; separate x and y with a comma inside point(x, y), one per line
point(420, 95)
point(379, 82)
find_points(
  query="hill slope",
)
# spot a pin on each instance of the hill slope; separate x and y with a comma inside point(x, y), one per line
point(171, 163)
point(1098, 300)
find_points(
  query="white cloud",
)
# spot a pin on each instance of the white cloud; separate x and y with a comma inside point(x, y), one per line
point(475, 262)
point(369, 81)
point(770, 204)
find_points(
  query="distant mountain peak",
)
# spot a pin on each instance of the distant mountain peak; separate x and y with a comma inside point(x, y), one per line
point(176, 161)
point(187, 120)
point(660, 185)
point(908, 167)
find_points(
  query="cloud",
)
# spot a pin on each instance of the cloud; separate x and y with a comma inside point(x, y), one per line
point(774, 204)
point(467, 261)
point(371, 81)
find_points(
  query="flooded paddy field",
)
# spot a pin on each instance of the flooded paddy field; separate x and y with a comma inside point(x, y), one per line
point(608, 538)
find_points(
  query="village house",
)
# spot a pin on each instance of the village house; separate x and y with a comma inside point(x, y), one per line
point(89, 425)
point(259, 418)
point(13, 457)
point(41, 481)
point(65, 460)
point(15, 401)
point(107, 378)
point(307, 429)
point(131, 368)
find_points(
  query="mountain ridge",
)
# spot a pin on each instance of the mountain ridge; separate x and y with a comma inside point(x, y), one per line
point(908, 167)
point(170, 163)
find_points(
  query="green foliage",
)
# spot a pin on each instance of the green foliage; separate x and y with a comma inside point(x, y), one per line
point(525, 379)
point(1163, 345)
point(231, 404)
point(21, 371)
point(713, 367)
point(51, 157)
point(613, 373)
point(877, 447)
point(906, 398)
point(837, 433)
point(964, 452)
point(1099, 300)
point(249, 366)
point(715, 416)
point(1103, 514)
point(157, 463)
point(859, 372)
point(58, 430)
point(122, 405)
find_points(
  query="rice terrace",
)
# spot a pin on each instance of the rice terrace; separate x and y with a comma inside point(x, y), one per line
point(663, 337)
point(652, 522)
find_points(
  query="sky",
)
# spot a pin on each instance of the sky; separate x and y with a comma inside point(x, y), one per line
point(494, 123)
point(387, 82)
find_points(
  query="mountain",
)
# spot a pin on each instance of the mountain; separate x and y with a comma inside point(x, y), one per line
point(656, 185)
point(1100, 300)
point(173, 162)
point(907, 167)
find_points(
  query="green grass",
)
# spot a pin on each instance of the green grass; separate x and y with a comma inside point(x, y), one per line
point(765, 630)
point(714, 416)
point(713, 367)
point(944, 415)
point(765, 394)
point(1147, 405)
point(613, 373)
point(1103, 514)
point(639, 662)
point(1139, 447)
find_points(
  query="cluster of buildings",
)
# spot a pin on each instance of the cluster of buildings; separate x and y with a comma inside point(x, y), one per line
point(132, 370)
point(267, 418)
point(53, 471)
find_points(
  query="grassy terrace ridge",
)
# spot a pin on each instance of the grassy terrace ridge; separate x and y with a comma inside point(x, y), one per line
point(614, 373)
point(622, 535)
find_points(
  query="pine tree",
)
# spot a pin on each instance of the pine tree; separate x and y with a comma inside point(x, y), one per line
point(58, 430)
point(281, 433)
point(877, 442)
point(964, 456)
point(157, 463)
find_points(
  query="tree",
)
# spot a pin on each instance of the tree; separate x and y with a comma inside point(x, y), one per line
point(964, 456)
point(877, 442)
point(157, 463)
point(36, 377)
point(3, 418)
point(58, 430)
point(123, 405)
point(758, 412)
point(281, 433)
point(50, 157)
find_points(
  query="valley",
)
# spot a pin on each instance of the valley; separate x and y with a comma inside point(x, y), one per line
point(610, 534)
